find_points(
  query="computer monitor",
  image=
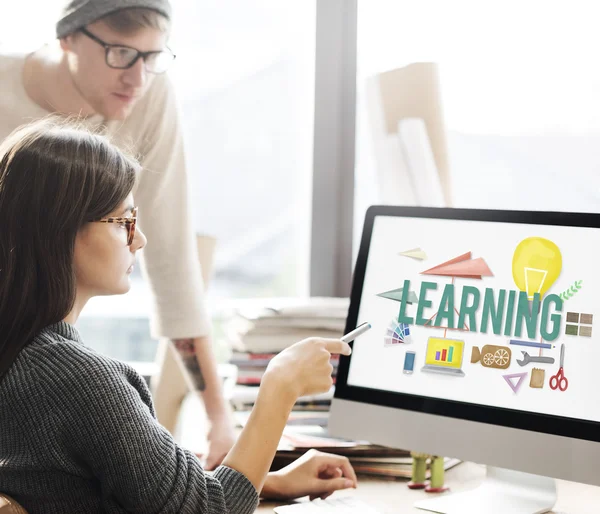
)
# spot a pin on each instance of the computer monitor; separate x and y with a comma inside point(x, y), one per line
point(482, 347)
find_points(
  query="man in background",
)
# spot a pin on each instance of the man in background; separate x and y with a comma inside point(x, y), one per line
point(108, 68)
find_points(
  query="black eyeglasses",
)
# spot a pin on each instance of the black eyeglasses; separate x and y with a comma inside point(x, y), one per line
point(124, 57)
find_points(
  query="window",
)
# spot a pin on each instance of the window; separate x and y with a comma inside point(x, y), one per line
point(20, 31)
point(520, 96)
point(245, 78)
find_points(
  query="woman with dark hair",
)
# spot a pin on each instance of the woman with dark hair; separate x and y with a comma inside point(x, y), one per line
point(78, 431)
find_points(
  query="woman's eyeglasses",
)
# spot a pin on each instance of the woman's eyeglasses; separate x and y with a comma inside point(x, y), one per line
point(129, 222)
point(124, 57)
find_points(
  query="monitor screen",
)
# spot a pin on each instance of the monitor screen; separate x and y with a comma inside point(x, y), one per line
point(493, 313)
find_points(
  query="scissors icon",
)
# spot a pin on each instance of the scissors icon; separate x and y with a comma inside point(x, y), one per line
point(559, 381)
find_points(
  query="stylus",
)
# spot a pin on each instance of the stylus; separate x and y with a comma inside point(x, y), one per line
point(351, 336)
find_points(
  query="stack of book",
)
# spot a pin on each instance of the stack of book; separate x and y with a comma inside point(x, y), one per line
point(244, 397)
point(251, 366)
point(308, 410)
point(259, 331)
point(303, 433)
point(272, 325)
point(366, 459)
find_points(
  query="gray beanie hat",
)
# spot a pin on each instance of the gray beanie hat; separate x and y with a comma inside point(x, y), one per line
point(78, 13)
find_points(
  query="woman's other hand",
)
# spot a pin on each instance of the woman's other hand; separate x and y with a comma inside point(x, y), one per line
point(315, 474)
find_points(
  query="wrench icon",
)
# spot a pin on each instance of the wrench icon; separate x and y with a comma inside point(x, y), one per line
point(528, 358)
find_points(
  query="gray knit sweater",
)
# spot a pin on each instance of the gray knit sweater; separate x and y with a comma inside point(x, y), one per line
point(78, 434)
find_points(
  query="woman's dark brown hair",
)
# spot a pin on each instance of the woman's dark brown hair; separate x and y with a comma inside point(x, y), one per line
point(54, 178)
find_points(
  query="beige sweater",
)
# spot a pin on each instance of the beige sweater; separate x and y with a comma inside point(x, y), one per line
point(153, 134)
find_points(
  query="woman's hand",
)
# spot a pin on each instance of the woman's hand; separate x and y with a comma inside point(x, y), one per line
point(315, 474)
point(301, 369)
point(305, 367)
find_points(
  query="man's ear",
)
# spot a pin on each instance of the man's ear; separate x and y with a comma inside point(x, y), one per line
point(66, 43)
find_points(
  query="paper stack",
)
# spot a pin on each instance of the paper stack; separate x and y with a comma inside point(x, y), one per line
point(302, 433)
point(260, 331)
point(271, 326)
point(366, 459)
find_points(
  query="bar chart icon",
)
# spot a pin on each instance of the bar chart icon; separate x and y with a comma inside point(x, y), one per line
point(444, 355)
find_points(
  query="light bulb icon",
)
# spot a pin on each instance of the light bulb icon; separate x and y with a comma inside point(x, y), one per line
point(536, 265)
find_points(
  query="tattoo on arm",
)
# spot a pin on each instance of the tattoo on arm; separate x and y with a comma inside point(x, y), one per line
point(187, 351)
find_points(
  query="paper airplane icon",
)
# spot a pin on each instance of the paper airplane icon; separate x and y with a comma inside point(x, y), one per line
point(462, 266)
point(515, 386)
point(396, 294)
point(415, 253)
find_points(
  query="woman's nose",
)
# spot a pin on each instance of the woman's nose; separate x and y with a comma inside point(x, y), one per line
point(139, 240)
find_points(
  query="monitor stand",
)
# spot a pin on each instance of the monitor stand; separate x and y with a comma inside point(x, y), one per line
point(502, 491)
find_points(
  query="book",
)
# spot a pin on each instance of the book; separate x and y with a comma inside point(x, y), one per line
point(394, 470)
point(357, 449)
point(277, 340)
point(303, 419)
point(296, 308)
point(243, 397)
point(366, 458)
point(286, 322)
point(252, 366)
point(271, 325)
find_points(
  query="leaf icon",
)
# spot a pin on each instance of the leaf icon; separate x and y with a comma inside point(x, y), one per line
point(573, 290)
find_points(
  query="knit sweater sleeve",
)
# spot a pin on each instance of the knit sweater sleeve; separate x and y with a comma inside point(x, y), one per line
point(109, 426)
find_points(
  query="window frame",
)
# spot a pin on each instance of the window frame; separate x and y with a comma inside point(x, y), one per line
point(334, 148)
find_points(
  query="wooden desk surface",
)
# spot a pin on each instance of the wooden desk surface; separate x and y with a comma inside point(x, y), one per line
point(393, 497)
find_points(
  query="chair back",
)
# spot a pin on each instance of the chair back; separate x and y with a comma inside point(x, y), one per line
point(10, 506)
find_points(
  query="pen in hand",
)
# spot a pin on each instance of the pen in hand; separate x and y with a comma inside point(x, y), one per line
point(351, 336)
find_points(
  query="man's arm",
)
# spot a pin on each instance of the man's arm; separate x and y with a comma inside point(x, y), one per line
point(187, 351)
point(202, 374)
point(171, 260)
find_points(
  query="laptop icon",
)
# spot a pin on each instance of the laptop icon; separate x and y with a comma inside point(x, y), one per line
point(444, 356)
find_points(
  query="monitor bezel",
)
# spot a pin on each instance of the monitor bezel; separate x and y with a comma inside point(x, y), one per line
point(543, 423)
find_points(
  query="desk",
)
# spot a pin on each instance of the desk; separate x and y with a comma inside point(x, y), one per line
point(393, 497)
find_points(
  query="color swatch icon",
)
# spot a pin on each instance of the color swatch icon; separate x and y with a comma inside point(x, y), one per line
point(397, 333)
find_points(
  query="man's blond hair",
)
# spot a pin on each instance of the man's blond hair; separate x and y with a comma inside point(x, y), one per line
point(128, 21)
